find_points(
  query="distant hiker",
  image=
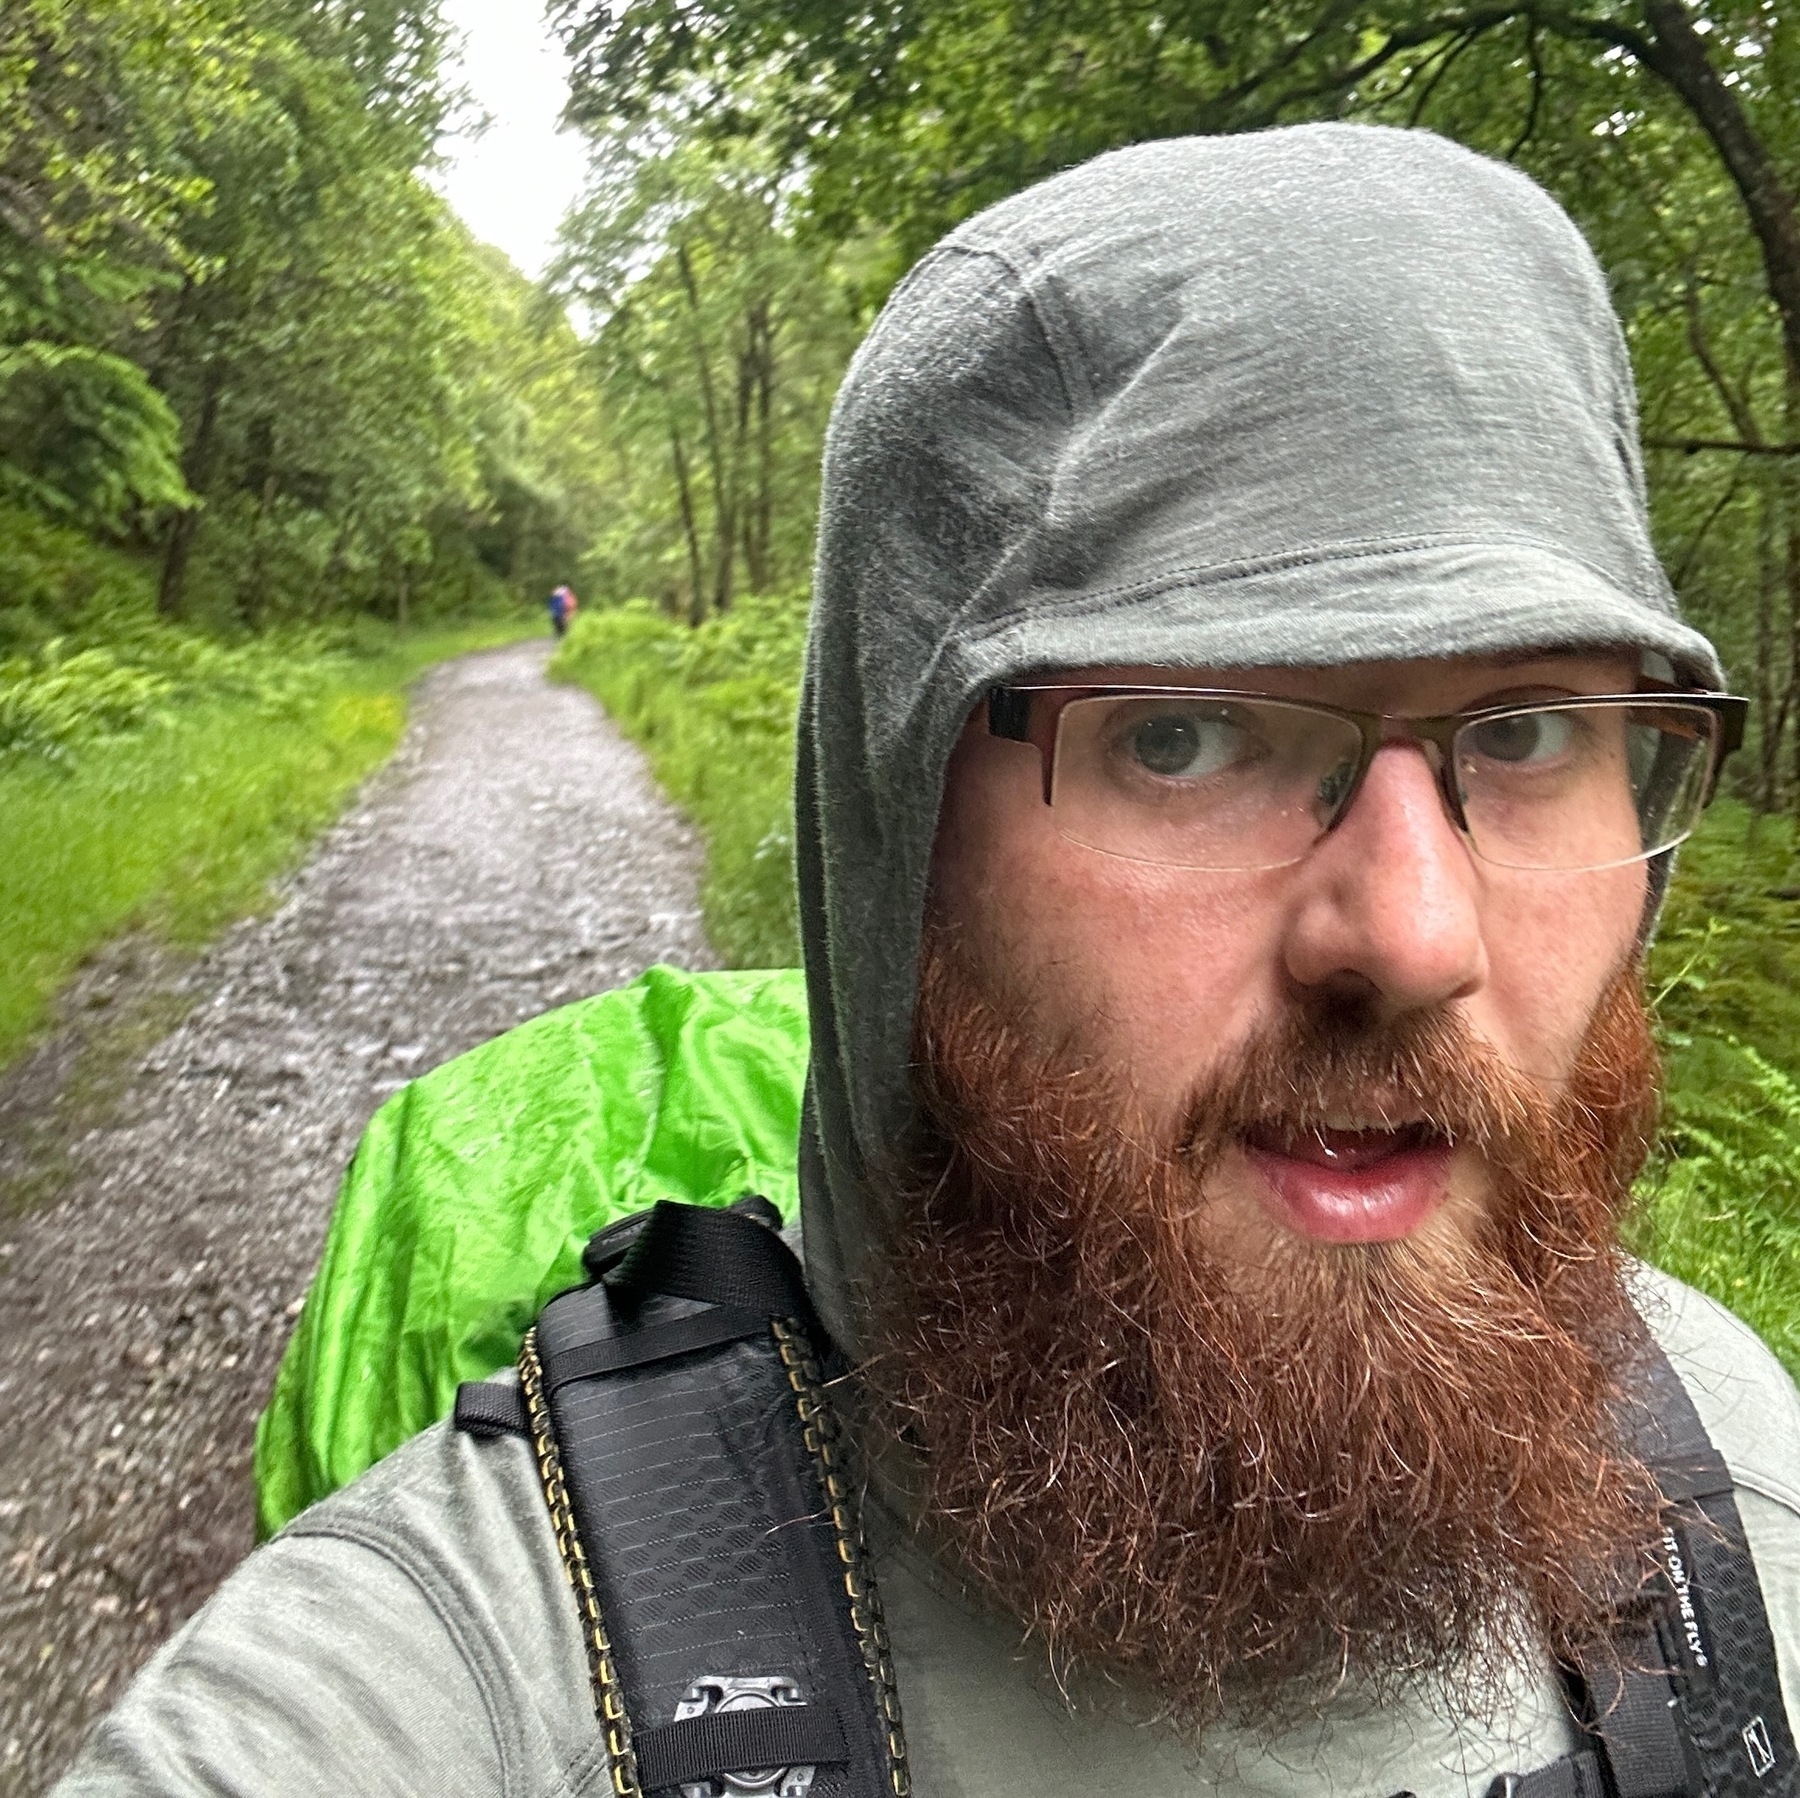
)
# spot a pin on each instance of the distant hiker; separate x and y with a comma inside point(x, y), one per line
point(563, 606)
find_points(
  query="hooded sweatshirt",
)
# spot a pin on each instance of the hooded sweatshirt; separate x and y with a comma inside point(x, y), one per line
point(1326, 394)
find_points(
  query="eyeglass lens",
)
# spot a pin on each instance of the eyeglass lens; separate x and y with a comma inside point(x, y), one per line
point(1253, 783)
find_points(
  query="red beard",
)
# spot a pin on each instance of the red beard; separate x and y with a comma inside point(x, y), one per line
point(1376, 1463)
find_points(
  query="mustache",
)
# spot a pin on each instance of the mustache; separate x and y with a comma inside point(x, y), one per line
point(1019, 1111)
point(1320, 1063)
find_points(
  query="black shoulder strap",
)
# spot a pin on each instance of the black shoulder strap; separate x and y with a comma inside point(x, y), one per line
point(1690, 1705)
point(695, 1479)
point(1714, 1627)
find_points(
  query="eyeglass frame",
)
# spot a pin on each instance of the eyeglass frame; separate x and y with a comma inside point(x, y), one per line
point(1014, 716)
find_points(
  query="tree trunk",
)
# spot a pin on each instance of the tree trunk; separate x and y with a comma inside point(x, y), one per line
point(1677, 53)
point(1771, 512)
point(724, 504)
point(250, 589)
point(763, 523)
point(1787, 481)
point(334, 567)
point(685, 492)
point(196, 470)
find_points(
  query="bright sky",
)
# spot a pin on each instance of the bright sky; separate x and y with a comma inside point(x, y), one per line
point(514, 182)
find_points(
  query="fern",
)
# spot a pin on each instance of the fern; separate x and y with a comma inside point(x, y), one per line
point(1720, 1204)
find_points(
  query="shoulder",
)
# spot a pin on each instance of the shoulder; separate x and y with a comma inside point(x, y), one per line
point(414, 1632)
point(1745, 1397)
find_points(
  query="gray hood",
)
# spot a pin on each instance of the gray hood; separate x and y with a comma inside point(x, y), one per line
point(1327, 394)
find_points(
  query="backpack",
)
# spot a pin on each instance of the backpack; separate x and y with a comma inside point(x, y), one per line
point(475, 1188)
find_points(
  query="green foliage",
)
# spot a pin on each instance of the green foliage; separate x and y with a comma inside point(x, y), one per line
point(88, 435)
point(241, 332)
point(55, 702)
point(1726, 961)
point(91, 199)
point(178, 829)
point(61, 700)
point(92, 659)
point(57, 581)
point(1722, 1205)
point(714, 709)
point(1722, 1210)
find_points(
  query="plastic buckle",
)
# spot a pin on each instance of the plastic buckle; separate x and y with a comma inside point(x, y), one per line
point(607, 1248)
point(714, 1692)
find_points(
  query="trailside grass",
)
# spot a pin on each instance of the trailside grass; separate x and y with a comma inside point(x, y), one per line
point(713, 708)
point(1719, 1206)
point(180, 829)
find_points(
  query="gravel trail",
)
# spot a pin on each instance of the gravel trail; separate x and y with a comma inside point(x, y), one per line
point(170, 1186)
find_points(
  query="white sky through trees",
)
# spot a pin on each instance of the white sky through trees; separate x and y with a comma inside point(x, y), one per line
point(514, 181)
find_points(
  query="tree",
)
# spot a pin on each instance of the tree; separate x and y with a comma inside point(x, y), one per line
point(719, 339)
point(90, 207)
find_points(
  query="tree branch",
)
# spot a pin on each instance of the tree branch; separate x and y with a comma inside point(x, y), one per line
point(1670, 49)
point(1736, 407)
point(1676, 53)
point(1445, 63)
point(1678, 577)
point(1693, 446)
point(1534, 52)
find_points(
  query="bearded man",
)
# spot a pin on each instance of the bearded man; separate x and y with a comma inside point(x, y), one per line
point(1245, 733)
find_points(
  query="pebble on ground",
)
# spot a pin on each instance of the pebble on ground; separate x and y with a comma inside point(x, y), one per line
point(515, 855)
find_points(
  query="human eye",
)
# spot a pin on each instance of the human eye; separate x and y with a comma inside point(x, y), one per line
point(1183, 742)
point(1524, 739)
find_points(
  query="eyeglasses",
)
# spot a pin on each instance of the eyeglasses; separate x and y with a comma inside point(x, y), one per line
point(1200, 777)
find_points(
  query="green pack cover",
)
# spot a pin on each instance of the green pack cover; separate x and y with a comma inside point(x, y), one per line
point(474, 1189)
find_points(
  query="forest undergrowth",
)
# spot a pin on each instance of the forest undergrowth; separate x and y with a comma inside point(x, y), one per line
point(1720, 1204)
point(157, 777)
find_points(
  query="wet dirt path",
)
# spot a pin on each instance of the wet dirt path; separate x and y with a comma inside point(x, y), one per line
point(513, 856)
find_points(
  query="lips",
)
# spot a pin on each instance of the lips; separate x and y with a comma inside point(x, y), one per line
point(1344, 1185)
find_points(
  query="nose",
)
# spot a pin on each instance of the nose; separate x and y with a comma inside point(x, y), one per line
point(1388, 908)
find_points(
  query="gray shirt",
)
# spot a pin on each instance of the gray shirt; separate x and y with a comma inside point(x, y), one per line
point(415, 1634)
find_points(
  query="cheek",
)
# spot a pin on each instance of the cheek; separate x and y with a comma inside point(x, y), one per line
point(1155, 970)
point(1553, 943)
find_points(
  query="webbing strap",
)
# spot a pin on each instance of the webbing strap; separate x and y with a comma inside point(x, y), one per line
point(655, 1342)
point(1634, 1714)
point(718, 1257)
point(1691, 1702)
point(486, 1408)
point(695, 1480)
point(1574, 1776)
point(1668, 1433)
point(1715, 1630)
point(747, 1741)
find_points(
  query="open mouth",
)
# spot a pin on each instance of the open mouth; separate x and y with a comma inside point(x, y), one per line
point(1351, 1183)
point(1347, 1150)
